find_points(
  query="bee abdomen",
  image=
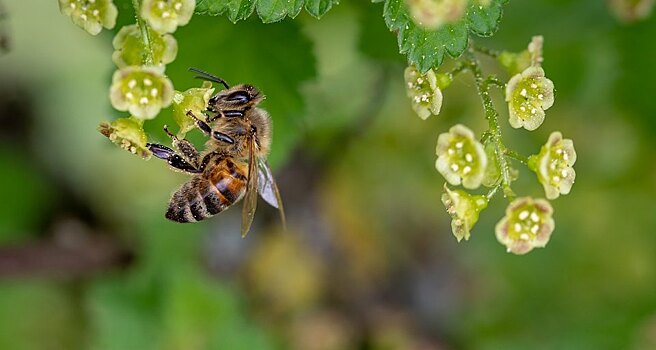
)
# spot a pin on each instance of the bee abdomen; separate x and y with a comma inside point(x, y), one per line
point(196, 200)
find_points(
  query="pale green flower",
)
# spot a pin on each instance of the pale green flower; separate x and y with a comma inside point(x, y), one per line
point(165, 16)
point(130, 49)
point(528, 224)
point(528, 95)
point(631, 10)
point(553, 165)
point(143, 91)
point(195, 100)
point(128, 133)
point(432, 14)
point(464, 209)
point(423, 91)
point(460, 157)
point(91, 15)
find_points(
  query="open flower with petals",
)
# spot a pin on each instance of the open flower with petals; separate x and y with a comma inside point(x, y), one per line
point(195, 100)
point(143, 91)
point(460, 157)
point(165, 16)
point(422, 89)
point(91, 15)
point(528, 224)
point(129, 47)
point(464, 209)
point(128, 133)
point(529, 94)
point(432, 14)
point(553, 165)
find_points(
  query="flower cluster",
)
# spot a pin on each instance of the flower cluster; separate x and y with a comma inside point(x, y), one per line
point(91, 15)
point(423, 91)
point(464, 160)
point(141, 53)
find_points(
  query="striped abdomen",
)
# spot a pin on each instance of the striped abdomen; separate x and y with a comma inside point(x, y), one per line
point(210, 193)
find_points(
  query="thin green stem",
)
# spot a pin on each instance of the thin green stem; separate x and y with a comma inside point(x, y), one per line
point(492, 116)
point(459, 68)
point(494, 81)
point(493, 191)
point(516, 156)
point(485, 50)
point(145, 35)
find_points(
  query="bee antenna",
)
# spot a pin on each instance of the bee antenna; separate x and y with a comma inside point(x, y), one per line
point(207, 76)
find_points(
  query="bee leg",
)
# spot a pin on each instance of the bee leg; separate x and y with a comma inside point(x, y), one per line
point(185, 148)
point(174, 160)
point(207, 129)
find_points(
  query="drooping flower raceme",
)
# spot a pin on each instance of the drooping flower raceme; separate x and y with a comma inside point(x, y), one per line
point(528, 224)
point(554, 165)
point(195, 100)
point(129, 47)
point(91, 15)
point(165, 16)
point(432, 14)
point(422, 89)
point(460, 157)
point(464, 209)
point(128, 133)
point(529, 94)
point(143, 91)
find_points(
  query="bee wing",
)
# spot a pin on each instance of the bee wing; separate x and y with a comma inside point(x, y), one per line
point(250, 198)
point(268, 189)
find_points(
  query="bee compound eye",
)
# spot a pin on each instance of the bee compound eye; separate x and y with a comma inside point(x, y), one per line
point(239, 96)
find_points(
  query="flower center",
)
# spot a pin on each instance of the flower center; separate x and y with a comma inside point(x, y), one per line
point(526, 224)
point(460, 157)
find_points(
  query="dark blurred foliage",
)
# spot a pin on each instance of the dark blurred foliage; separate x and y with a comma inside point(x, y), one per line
point(87, 260)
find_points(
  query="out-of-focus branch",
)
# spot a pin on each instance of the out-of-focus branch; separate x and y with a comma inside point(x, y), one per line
point(72, 252)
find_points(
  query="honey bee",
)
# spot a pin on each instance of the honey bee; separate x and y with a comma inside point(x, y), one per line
point(233, 165)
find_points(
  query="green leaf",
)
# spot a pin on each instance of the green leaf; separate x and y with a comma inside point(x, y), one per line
point(426, 48)
point(268, 10)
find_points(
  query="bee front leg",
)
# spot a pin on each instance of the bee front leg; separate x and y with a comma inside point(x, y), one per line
point(207, 129)
point(174, 160)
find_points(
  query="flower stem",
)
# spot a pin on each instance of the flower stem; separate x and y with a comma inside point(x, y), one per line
point(516, 156)
point(145, 36)
point(485, 50)
point(492, 116)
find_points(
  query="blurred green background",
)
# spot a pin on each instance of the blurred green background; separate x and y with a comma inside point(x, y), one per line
point(87, 260)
